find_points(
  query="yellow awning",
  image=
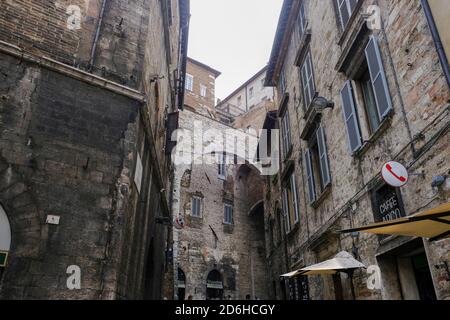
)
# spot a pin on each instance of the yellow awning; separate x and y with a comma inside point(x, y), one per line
point(433, 224)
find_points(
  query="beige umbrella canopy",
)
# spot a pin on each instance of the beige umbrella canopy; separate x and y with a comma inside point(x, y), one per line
point(433, 224)
point(342, 262)
point(291, 274)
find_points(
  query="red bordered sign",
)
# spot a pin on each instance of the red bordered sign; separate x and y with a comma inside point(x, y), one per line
point(395, 174)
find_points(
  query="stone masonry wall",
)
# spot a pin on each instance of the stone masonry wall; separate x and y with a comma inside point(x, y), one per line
point(420, 99)
point(238, 253)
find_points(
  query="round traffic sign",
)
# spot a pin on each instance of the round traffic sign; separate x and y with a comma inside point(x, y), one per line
point(395, 174)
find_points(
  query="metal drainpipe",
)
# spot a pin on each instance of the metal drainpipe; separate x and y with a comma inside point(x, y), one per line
point(437, 39)
point(97, 35)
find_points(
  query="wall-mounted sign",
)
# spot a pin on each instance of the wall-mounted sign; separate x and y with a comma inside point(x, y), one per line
point(138, 173)
point(387, 204)
point(179, 222)
point(3, 259)
point(394, 174)
point(214, 284)
point(51, 219)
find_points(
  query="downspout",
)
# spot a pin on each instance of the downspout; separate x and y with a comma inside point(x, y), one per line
point(437, 39)
point(97, 35)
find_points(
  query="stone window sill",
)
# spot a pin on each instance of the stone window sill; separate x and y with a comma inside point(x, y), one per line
point(301, 53)
point(374, 137)
point(322, 197)
point(293, 230)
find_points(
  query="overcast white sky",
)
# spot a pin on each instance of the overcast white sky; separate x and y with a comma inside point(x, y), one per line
point(234, 37)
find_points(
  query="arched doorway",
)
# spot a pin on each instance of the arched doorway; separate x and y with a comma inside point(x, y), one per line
point(181, 285)
point(214, 286)
point(5, 240)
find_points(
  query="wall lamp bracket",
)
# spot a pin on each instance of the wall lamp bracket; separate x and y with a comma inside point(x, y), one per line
point(321, 103)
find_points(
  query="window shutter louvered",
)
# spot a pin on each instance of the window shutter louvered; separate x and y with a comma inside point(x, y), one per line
point(324, 164)
point(350, 118)
point(378, 77)
point(287, 223)
point(343, 12)
point(295, 198)
point(310, 177)
point(286, 131)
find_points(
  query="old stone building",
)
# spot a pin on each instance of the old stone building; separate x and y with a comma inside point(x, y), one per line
point(220, 251)
point(360, 83)
point(86, 88)
point(249, 95)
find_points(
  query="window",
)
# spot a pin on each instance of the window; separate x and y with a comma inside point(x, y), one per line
point(370, 106)
point(222, 168)
point(196, 210)
point(307, 78)
point(263, 81)
point(189, 82)
point(239, 101)
point(290, 204)
point(302, 22)
point(317, 165)
point(228, 214)
point(251, 92)
point(376, 102)
point(286, 133)
point(203, 90)
point(345, 9)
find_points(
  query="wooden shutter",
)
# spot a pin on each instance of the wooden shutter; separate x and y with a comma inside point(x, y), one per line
point(286, 126)
point(323, 154)
point(295, 199)
point(310, 177)
point(350, 118)
point(378, 77)
point(353, 4)
point(287, 222)
point(172, 125)
point(341, 5)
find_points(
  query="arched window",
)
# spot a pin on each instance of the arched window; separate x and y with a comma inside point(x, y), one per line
point(214, 286)
point(181, 284)
point(5, 239)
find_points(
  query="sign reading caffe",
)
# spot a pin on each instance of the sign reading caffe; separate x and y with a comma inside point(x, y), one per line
point(387, 204)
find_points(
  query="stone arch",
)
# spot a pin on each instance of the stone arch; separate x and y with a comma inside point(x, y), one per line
point(181, 284)
point(19, 206)
point(214, 285)
point(258, 207)
point(19, 203)
point(5, 231)
point(251, 184)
